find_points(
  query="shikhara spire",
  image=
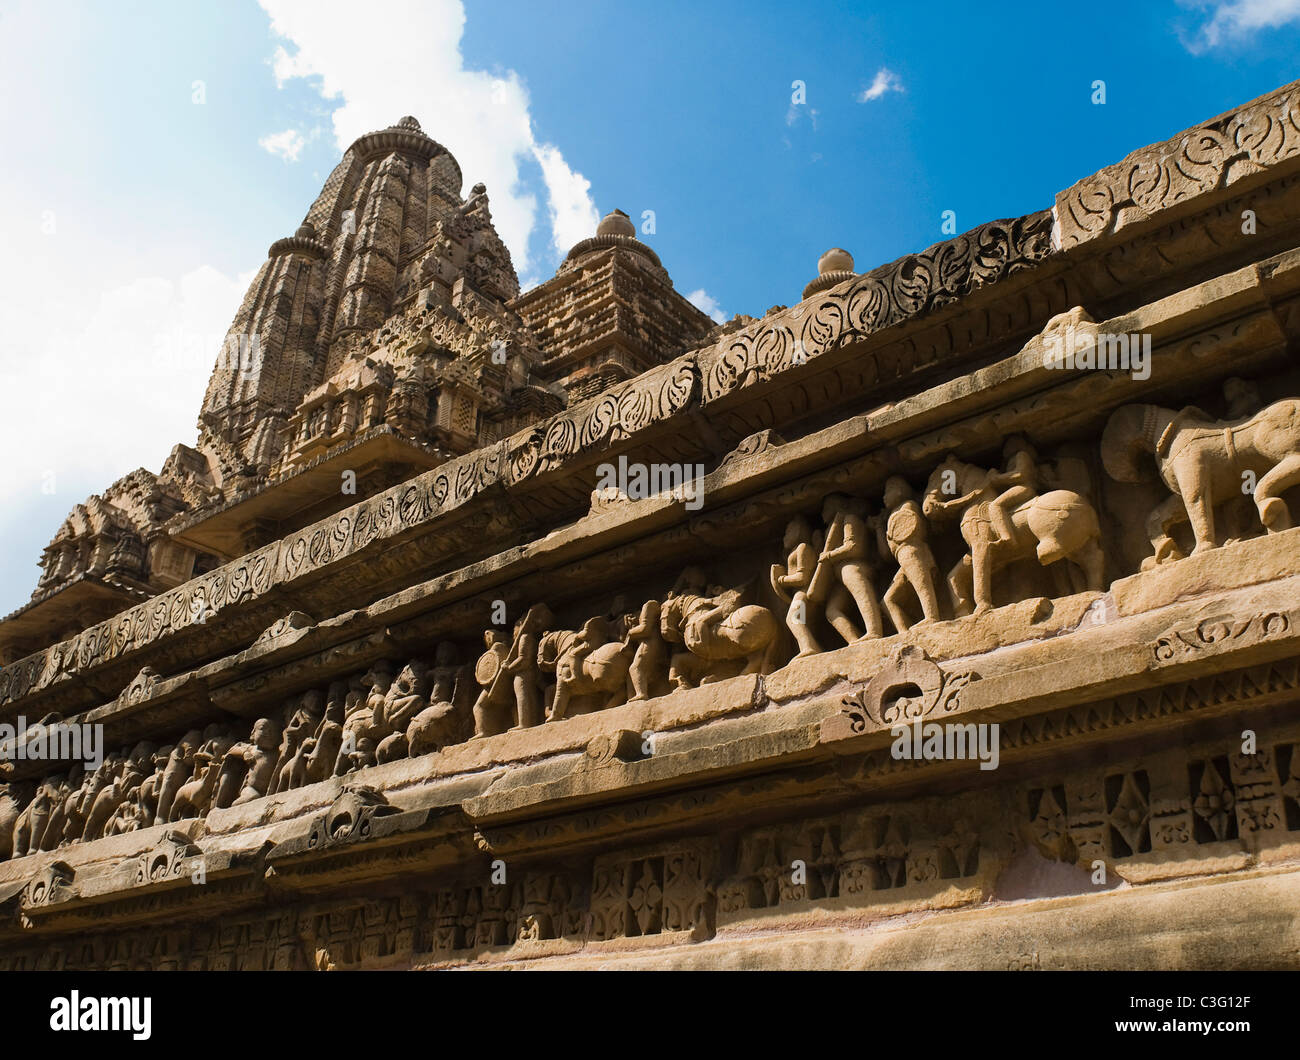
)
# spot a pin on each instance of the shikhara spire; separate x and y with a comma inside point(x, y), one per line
point(386, 335)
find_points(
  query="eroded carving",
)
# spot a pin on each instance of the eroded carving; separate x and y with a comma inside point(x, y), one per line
point(1205, 462)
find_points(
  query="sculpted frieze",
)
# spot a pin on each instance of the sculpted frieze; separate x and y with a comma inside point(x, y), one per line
point(1204, 462)
point(1261, 134)
point(879, 299)
point(1026, 528)
point(389, 516)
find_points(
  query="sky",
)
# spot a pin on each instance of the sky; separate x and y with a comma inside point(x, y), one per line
point(154, 150)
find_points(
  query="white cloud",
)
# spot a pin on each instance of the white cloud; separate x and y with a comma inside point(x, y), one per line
point(573, 214)
point(112, 386)
point(885, 81)
point(403, 57)
point(100, 379)
point(796, 109)
point(286, 67)
point(1236, 19)
point(287, 145)
point(706, 303)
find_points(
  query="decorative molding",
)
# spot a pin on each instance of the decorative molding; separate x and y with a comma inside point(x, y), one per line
point(910, 686)
point(1153, 179)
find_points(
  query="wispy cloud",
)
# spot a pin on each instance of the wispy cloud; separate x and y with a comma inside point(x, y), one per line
point(706, 303)
point(287, 145)
point(1235, 20)
point(792, 115)
point(884, 81)
point(573, 214)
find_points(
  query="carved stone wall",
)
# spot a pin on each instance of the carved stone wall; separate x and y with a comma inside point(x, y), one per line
point(941, 631)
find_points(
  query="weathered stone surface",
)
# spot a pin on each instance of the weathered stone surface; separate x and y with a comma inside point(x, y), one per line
point(932, 634)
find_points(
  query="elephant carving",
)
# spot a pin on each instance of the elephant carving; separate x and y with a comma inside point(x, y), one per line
point(591, 668)
point(12, 799)
point(716, 633)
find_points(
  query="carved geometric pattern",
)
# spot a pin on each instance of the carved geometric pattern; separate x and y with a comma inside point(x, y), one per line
point(1128, 812)
point(1213, 801)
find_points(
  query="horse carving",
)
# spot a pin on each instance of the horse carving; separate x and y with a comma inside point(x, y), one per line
point(1206, 462)
point(1053, 526)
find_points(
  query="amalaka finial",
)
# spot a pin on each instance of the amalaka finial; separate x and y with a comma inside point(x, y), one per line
point(616, 223)
point(833, 267)
point(837, 259)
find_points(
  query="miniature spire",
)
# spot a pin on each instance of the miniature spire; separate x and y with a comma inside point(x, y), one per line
point(833, 267)
point(616, 223)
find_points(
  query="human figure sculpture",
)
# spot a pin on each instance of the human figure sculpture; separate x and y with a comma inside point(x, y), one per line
point(444, 675)
point(128, 817)
point(904, 535)
point(408, 695)
point(1018, 483)
point(1057, 525)
point(258, 757)
point(322, 749)
point(841, 581)
point(792, 581)
point(492, 707)
point(291, 762)
point(1205, 462)
point(648, 673)
point(180, 767)
point(299, 768)
point(521, 664)
point(366, 722)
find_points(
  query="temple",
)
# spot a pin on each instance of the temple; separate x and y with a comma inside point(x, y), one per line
point(973, 642)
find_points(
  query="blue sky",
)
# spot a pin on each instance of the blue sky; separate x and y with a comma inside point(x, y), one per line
point(137, 203)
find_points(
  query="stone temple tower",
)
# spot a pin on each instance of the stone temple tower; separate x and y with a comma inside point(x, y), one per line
point(386, 336)
point(389, 223)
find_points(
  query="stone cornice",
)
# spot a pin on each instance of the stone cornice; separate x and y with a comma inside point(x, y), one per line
point(1256, 141)
point(814, 732)
point(207, 609)
point(828, 326)
point(310, 248)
